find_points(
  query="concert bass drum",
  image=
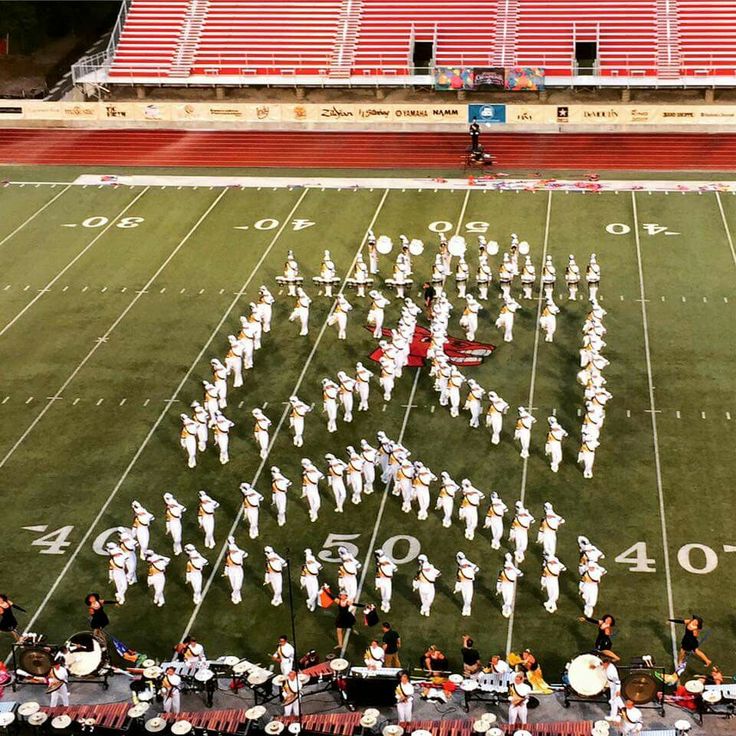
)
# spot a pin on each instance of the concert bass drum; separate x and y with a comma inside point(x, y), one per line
point(87, 655)
point(585, 676)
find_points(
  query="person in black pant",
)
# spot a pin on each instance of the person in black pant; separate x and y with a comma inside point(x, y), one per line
point(391, 646)
point(471, 657)
point(474, 135)
point(690, 643)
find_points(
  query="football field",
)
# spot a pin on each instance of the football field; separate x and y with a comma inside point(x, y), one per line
point(114, 299)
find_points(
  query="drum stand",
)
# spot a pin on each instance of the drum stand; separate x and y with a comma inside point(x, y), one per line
point(572, 697)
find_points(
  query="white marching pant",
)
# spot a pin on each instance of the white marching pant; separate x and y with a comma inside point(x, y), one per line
point(593, 291)
point(505, 322)
point(248, 354)
point(338, 489)
point(173, 527)
point(202, 436)
point(517, 714)
point(252, 516)
point(279, 501)
point(235, 576)
point(426, 596)
point(470, 515)
point(454, 397)
point(572, 292)
point(524, 436)
point(552, 586)
point(301, 314)
point(364, 389)
point(482, 291)
point(387, 384)
point(207, 523)
point(266, 312)
point(495, 423)
point(505, 290)
point(341, 320)
point(369, 476)
point(314, 501)
point(172, 703)
point(422, 496)
point(131, 568)
point(589, 594)
point(375, 318)
point(355, 481)
point(526, 290)
point(474, 407)
point(404, 710)
point(554, 451)
point(549, 291)
point(223, 441)
point(495, 524)
point(385, 587)
point(506, 590)
point(292, 709)
point(262, 441)
point(189, 443)
point(548, 538)
point(347, 406)
point(520, 538)
point(310, 583)
point(407, 494)
point(194, 579)
point(120, 581)
point(471, 326)
point(549, 325)
point(157, 582)
point(221, 385)
point(587, 459)
point(143, 536)
point(60, 696)
point(613, 699)
point(297, 425)
point(276, 582)
point(445, 505)
point(330, 407)
point(349, 584)
point(465, 588)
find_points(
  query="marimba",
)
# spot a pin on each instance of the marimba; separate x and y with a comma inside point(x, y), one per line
point(333, 724)
point(214, 721)
point(111, 717)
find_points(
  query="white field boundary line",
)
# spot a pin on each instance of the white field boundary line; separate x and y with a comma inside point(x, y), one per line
point(532, 385)
point(45, 289)
point(163, 413)
point(279, 426)
point(382, 507)
point(34, 215)
point(655, 435)
point(725, 225)
point(110, 329)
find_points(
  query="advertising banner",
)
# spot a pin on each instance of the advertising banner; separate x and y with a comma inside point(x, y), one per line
point(489, 114)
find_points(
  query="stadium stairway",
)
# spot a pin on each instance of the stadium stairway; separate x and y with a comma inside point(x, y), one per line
point(312, 149)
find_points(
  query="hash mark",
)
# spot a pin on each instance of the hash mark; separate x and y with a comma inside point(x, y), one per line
point(201, 291)
point(99, 402)
point(5, 399)
point(65, 288)
point(76, 401)
point(683, 299)
point(728, 415)
point(662, 298)
point(6, 288)
point(431, 409)
point(702, 415)
point(265, 404)
point(85, 288)
point(240, 405)
point(28, 286)
point(677, 413)
point(182, 291)
point(628, 413)
point(122, 402)
point(222, 291)
point(725, 299)
point(103, 290)
point(579, 413)
point(384, 407)
point(29, 399)
point(621, 297)
point(146, 402)
point(162, 290)
point(705, 300)
point(124, 289)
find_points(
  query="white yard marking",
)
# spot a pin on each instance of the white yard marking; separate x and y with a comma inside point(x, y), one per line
point(726, 227)
point(85, 289)
point(159, 419)
point(294, 392)
point(532, 383)
point(34, 215)
point(71, 263)
point(99, 401)
point(109, 331)
point(29, 399)
point(702, 415)
point(677, 414)
point(122, 401)
point(655, 435)
point(27, 286)
point(7, 397)
point(75, 402)
point(728, 415)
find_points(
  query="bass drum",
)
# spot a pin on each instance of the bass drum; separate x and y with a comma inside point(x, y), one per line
point(585, 675)
point(86, 654)
point(641, 687)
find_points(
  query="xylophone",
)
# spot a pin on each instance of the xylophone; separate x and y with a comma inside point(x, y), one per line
point(213, 721)
point(319, 672)
point(333, 724)
point(111, 717)
point(465, 728)
point(392, 672)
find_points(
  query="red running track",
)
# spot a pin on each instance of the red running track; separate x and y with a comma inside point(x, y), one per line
point(363, 150)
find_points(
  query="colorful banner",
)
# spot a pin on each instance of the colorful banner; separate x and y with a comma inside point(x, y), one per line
point(449, 78)
point(488, 78)
point(489, 114)
point(524, 79)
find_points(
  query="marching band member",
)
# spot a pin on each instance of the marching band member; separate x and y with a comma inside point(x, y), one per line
point(589, 583)
point(273, 577)
point(339, 316)
point(330, 391)
point(453, 390)
point(466, 572)
point(290, 694)
point(551, 569)
point(385, 448)
point(387, 377)
point(374, 656)
point(519, 693)
point(547, 535)
point(439, 272)
point(355, 474)
point(279, 487)
point(474, 402)
point(404, 698)
point(548, 320)
point(360, 278)
point(363, 385)
point(505, 277)
point(188, 439)
point(301, 311)
point(528, 277)
point(211, 398)
point(443, 373)
point(157, 565)
point(195, 565)
point(219, 381)
point(284, 655)
point(494, 520)
point(311, 476)
point(327, 274)
point(370, 459)
point(494, 416)
point(446, 498)
point(385, 569)
point(519, 533)
point(588, 553)
point(299, 411)
point(117, 570)
point(469, 320)
point(206, 518)
point(630, 717)
point(170, 691)
point(202, 418)
point(553, 445)
point(549, 277)
point(265, 308)
point(403, 258)
point(260, 431)
point(613, 682)
point(128, 544)
point(469, 507)
point(251, 508)
point(586, 456)
point(505, 319)
point(291, 273)
point(234, 569)
point(254, 318)
point(336, 480)
point(376, 312)
point(506, 583)
point(372, 253)
point(484, 274)
point(593, 277)
point(58, 682)
point(404, 479)
point(222, 426)
point(141, 526)
point(174, 511)
point(309, 578)
point(424, 582)
point(347, 574)
point(572, 278)
point(461, 278)
point(247, 340)
point(423, 476)
point(346, 390)
point(523, 431)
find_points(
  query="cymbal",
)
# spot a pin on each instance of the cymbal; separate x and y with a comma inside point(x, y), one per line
point(181, 727)
point(28, 708)
point(38, 718)
point(256, 712)
point(154, 725)
point(61, 722)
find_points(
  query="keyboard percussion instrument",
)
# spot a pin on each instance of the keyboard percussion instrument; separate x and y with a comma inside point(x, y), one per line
point(487, 687)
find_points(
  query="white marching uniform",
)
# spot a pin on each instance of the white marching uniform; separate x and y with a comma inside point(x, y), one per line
point(469, 319)
point(206, 518)
point(157, 565)
point(494, 520)
point(528, 277)
point(234, 569)
point(345, 394)
point(424, 583)
point(339, 316)
point(260, 432)
point(336, 480)
point(374, 657)
point(301, 311)
point(141, 527)
point(388, 376)
point(548, 320)
point(58, 685)
point(265, 308)
point(586, 456)
point(254, 318)
point(211, 398)
point(279, 487)
point(593, 277)
point(519, 533)
point(247, 340)
point(299, 411)
point(494, 416)
point(222, 426)
point(465, 581)
point(370, 458)
point(483, 275)
point(572, 278)
point(469, 507)
point(630, 718)
point(129, 544)
point(251, 508)
point(273, 577)
point(505, 320)
point(614, 688)
point(548, 528)
point(589, 584)
point(474, 402)
point(290, 695)
point(330, 392)
point(553, 445)
point(188, 439)
point(551, 569)
point(309, 578)
point(518, 702)
point(385, 570)
point(117, 573)
point(423, 476)
point(506, 584)
point(376, 313)
point(202, 420)
point(355, 475)
point(403, 482)
point(454, 383)
point(549, 277)
point(347, 574)
point(461, 278)
point(171, 693)
point(174, 511)
point(523, 431)
point(219, 381)
point(284, 655)
point(195, 565)
point(311, 476)
point(505, 277)
point(362, 385)
point(291, 273)
point(446, 499)
point(404, 701)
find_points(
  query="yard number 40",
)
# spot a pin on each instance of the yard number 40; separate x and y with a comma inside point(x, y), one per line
point(697, 559)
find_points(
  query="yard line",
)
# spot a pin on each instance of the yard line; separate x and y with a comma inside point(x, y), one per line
point(71, 263)
point(284, 414)
point(655, 436)
point(163, 413)
point(725, 225)
point(532, 384)
point(110, 329)
point(34, 215)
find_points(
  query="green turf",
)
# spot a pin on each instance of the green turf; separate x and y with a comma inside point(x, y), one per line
point(73, 459)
